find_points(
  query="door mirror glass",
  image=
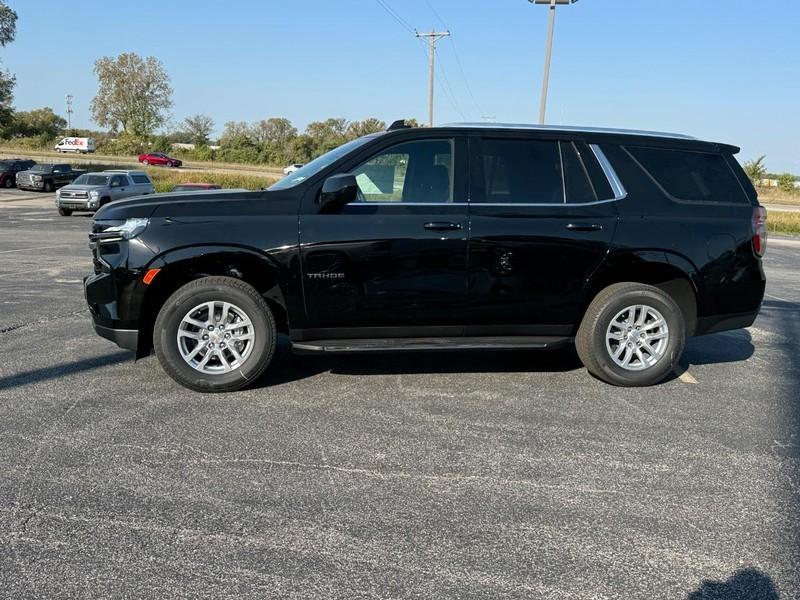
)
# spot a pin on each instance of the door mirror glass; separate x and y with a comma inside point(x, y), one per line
point(337, 191)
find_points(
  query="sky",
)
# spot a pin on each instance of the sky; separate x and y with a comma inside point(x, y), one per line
point(724, 71)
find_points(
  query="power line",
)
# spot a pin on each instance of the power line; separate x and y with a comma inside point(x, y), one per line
point(449, 90)
point(394, 14)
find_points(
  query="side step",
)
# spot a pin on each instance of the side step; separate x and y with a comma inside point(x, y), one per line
point(352, 346)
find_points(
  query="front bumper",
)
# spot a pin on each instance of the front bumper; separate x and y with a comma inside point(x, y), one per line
point(77, 203)
point(124, 338)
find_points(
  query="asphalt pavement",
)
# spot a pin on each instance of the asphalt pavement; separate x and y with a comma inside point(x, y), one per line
point(439, 475)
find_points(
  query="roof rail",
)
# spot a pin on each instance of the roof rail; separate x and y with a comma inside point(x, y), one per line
point(399, 124)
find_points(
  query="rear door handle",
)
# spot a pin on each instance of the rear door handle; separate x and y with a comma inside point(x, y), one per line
point(584, 227)
point(442, 226)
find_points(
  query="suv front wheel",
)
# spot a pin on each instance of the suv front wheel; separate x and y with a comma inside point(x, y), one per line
point(215, 334)
point(631, 335)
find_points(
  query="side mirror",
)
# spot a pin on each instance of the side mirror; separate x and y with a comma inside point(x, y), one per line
point(337, 191)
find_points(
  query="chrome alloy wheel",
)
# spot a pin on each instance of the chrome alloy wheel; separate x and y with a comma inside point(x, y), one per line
point(637, 337)
point(216, 337)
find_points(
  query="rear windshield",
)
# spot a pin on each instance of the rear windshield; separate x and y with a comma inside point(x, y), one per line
point(690, 175)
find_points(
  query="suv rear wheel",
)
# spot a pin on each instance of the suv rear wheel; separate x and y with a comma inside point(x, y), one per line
point(215, 334)
point(631, 335)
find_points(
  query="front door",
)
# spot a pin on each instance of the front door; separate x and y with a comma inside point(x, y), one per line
point(396, 258)
point(541, 219)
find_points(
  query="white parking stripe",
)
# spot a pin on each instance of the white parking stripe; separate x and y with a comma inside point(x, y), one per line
point(687, 377)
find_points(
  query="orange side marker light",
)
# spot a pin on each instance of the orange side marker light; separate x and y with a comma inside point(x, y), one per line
point(149, 276)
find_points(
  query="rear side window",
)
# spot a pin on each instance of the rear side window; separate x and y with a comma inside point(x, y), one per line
point(578, 186)
point(140, 178)
point(689, 175)
point(522, 172)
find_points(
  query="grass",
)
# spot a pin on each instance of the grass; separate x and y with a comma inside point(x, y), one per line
point(783, 222)
point(165, 179)
point(777, 196)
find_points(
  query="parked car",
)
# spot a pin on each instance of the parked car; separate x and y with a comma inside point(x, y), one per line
point(159, 159)
point(292, 168)
point(194, 187)
point(9, 168)
point(90, 191)
point(466, 236)
point(83, 145)
point(47, 177)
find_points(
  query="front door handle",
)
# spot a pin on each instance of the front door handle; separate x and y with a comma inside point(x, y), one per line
point(584, 227)
point(442, 226)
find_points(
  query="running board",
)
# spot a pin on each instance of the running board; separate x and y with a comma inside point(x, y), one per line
point(352, 346)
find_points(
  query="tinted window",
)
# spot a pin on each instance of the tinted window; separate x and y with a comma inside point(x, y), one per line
point(319, 163)
point(576, 180)
point(140, 179)
point(420, 171)
point(119, 180)
point(691, 175)
point(522, 172)
point(89, 179)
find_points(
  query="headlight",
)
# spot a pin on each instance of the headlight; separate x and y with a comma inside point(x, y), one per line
point(37, 177)
point(127, 231)
point(94, 194)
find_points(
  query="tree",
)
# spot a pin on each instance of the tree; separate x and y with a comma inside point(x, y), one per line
point(755, 169)
point(134, 94)
point(8, 31)
point(41, 121)
point(275, 130)
point(236, 133)
point(786, 182)
point(357, 129)
point(327, 134)
point(199, 128)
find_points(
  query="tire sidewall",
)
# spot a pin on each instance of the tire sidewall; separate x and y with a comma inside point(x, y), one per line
point(671, 313)
point(166, 343)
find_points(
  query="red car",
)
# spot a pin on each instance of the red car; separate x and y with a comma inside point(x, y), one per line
point(189, 187)
point(159, 158)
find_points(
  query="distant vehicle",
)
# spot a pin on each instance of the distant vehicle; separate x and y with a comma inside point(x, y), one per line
point(194, 187)
point(159, 159)
point(90, 191)
point(47, 178)
point(83, 145)
point(292, 168)
point(9, 169)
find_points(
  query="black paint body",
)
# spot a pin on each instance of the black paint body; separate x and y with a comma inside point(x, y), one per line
point(465, 268)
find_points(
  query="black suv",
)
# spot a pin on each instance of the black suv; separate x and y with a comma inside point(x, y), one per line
point(455, 237)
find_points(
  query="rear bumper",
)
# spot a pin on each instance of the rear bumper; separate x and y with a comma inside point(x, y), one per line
point(124, 338)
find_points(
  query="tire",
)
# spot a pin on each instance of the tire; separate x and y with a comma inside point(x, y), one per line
point(146, 162)
point(9, 183)
point(596, 341)
point(64, 212)
point(243, 299)
point(48, 186)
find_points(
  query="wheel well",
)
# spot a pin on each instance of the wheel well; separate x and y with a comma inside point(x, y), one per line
point(667, 278)
point(248, 269)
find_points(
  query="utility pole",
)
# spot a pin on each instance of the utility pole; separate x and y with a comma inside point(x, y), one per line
point(551, 22)
point(432, 37)
point(69, 110)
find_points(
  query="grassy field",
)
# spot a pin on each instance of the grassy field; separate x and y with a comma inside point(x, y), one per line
point(777, 196)
point(165, 179)
point(783, 222)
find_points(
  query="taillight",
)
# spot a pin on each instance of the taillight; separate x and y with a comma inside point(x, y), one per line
point(760, 230)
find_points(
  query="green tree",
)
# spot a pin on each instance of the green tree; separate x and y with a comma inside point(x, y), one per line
point(786, 182)
point(133, 94)
point(8, 31)
point(755, 169)
point(327, 134)
point(357, 129)
point(275, 130)
point(236, 134)
point(40, 121)
point(199, 128)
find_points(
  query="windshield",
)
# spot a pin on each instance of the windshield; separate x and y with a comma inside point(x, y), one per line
point(41, 168)
point(4, 166)
point(319, 163)
point(90, 179)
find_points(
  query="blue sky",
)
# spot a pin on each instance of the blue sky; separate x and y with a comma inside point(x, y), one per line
point(726, 71)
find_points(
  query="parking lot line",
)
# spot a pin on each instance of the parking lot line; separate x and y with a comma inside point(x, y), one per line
point(687, 377)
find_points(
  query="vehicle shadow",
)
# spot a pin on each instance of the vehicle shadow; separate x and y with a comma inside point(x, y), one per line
point(62, 370)
point(716, 348)
point(744, 584)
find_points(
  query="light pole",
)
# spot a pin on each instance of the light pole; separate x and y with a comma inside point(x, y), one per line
point(548, 49)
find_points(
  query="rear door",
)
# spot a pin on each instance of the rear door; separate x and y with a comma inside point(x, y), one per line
point(542, 216)
point(397, 257)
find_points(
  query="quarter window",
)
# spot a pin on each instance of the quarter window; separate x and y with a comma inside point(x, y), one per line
point(412, 172)
point(688, 175)
point(579, 189)
point(522, 172)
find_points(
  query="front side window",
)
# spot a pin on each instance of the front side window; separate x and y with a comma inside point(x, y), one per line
point(520, 171)
point(418, 172)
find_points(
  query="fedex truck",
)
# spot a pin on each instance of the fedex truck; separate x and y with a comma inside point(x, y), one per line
point(75, 144)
